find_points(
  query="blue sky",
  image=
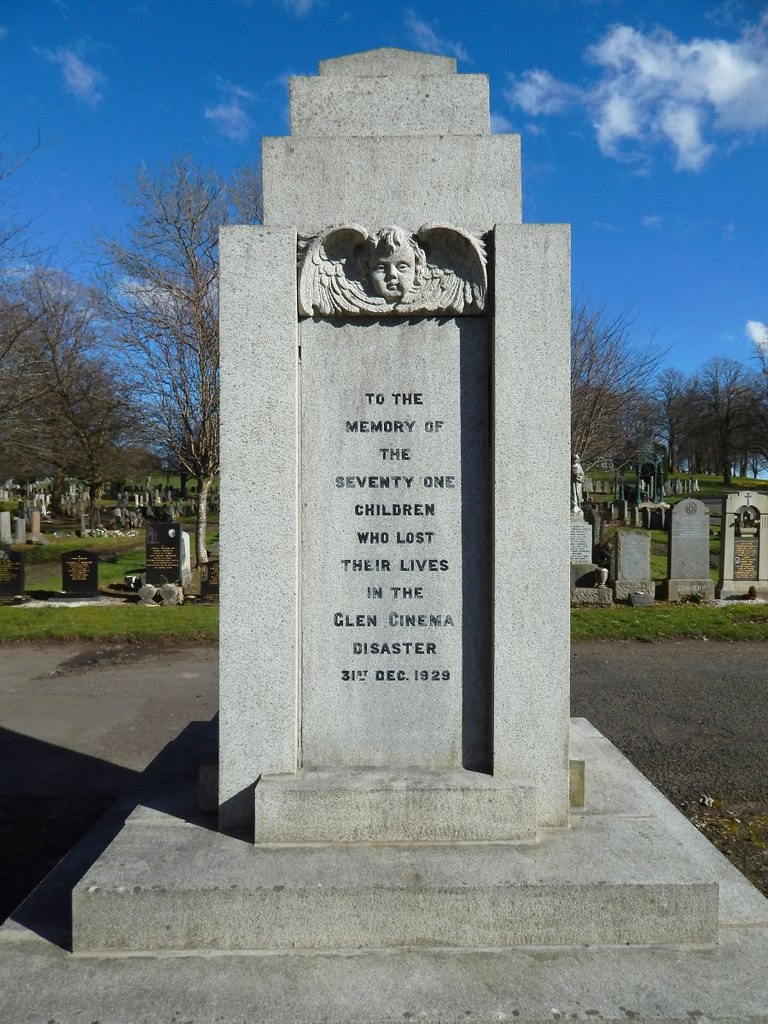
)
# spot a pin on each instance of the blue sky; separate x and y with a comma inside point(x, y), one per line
point(644, 125)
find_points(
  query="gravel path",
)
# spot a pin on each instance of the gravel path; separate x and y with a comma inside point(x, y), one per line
point(692, 715)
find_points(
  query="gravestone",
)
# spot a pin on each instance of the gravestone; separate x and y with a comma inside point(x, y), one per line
point(743, 545)
point(209, 581)
point(186, 561)
point(6, 537)
point(11, 574)
point(163, 553)
point(20, 530)
point(688, 552)
point(80, 573)
point(632, 564)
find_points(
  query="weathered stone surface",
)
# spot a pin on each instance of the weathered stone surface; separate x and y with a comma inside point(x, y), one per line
point(531, 618)
point(353, 105)
point(470, 181)
point(623, 588)
point(583, 574)
point(600, 596)
point(688, 557)
point(473, 183)
point(392, 806)
point(633, 555)
point(259, 429)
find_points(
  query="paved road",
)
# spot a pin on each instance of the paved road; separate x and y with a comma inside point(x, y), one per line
point(78, 723)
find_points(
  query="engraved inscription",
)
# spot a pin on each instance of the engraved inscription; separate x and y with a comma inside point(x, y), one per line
point(162, 556)
point(384, 475)
point(745, 558)
point(79, 568)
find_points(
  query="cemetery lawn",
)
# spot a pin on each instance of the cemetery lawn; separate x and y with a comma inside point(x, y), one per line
point(199, 623)
point(127, 623)
point(117, 556)
point(742, 620)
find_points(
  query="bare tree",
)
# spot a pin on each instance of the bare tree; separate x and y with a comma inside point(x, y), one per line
point(610, 384)
point(246, 190)
point(162, 287)
point(724, 391)
point(16, 250)
point(670, 395)
point(80, 421)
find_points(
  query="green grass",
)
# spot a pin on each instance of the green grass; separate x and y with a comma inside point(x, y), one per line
point(130, 623)
point(112, 568)
point(57, 546)
point(199, 623)
point(740, 621)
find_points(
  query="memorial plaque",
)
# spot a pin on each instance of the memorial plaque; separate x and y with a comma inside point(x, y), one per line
point(11, 573)
point(163, 553)
point(396, 595)
point(209, 581)
point(581, 542)
point(745, 558)
point(80, 573)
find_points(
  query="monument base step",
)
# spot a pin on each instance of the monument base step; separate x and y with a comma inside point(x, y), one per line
point(350, 805)
point(180, 888)
point(625, 873)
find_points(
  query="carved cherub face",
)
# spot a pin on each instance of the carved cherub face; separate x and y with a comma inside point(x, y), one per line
point(395, 264)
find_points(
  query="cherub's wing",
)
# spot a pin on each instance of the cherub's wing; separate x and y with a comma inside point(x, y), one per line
point(331, 280)
point(455, 279)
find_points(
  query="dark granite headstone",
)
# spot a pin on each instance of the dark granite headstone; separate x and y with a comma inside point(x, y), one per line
point(80, 573)
point(209, 581)
point(163, 553)
point(11, 574)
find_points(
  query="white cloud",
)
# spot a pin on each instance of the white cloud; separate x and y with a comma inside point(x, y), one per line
point(653, 88)
point(537, 92)
point(652, 221)
point(81, 79)
point(232, 88)
point(757, 333)
point(229, 117)
point(499, 124)
point(426, 38)
point(298, 7)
